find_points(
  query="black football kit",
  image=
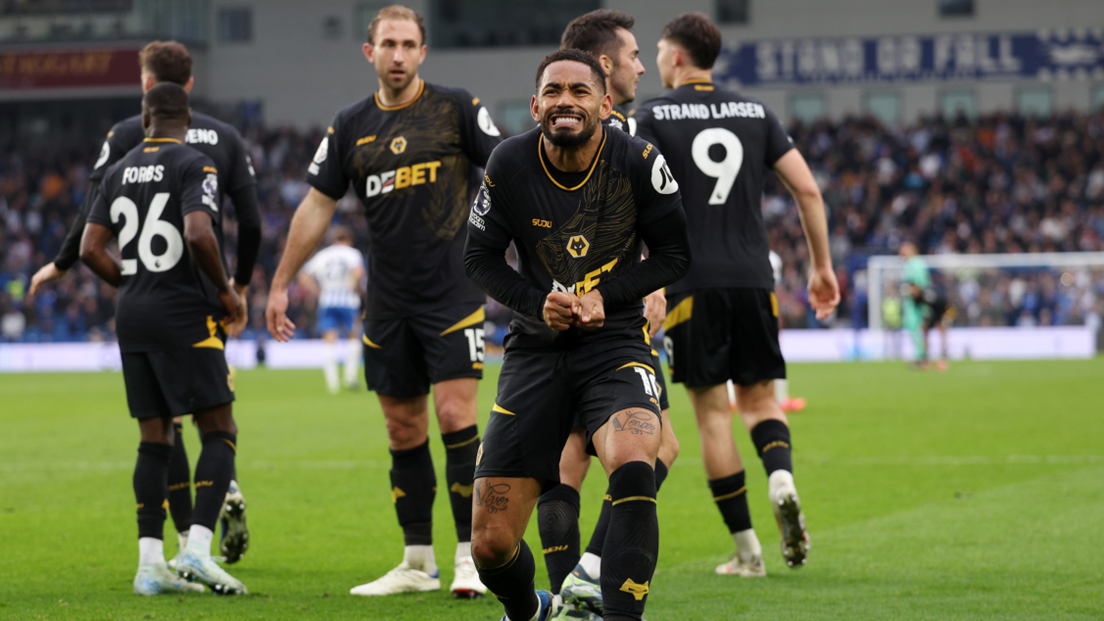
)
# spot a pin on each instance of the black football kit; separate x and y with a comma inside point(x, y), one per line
point(236, 179)
point(722, 318)
point(168, 318)
point(410, 166)
point(577, 232)
point(573, 232)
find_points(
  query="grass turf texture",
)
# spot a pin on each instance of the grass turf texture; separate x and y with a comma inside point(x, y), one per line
point(971, 494)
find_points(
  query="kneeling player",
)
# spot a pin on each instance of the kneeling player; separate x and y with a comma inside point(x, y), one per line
point(576, 200)
point(160, 200)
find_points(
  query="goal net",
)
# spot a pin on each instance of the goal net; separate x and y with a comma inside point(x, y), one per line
point(1039, 290)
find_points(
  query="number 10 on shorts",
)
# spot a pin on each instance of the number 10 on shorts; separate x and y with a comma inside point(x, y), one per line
point(475, 343)
point(650, 386)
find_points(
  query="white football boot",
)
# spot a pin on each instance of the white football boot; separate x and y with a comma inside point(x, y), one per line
point(155, 579)
point(181, 543)
point(235, 532)
point(791, 521)
point(402, 579)
point(465, 581)
point(753, 568)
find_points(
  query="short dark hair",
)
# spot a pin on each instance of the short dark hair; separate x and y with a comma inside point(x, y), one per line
point(596, 32)
point(166, 61)
point(698, 35)
point(166, 100)
point(396, 12)
point(577, 56)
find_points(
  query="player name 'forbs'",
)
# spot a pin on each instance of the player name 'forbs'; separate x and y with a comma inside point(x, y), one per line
point(721, 110)
point(143, 174)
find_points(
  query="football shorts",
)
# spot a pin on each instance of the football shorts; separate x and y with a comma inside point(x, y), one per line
point(403, 357)
point(542, 390)
point(714, 335)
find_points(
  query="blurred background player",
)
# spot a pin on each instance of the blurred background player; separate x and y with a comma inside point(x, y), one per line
point(175, 307)
point(722, 317)
point(170, 62)
point(925, 307)
point(409, 150)
point(333, 276)
point(782, 385)
point(606, 35)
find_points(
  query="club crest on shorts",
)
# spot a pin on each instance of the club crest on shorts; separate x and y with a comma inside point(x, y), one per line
point(577, 246)
point(398, 145)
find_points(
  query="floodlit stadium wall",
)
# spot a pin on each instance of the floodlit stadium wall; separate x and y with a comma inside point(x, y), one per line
point(898, 59)
point(797, 346)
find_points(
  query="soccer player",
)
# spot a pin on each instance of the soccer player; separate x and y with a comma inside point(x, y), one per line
point(169, 61)
point(924, 307)
point(333, 276)
point(161, 201)
point(576, 199)
point(606, 35)
point(408, 151)
point(722, 318)
point(781, 386)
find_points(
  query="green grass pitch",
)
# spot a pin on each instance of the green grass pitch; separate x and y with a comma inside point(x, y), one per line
point(972, 494)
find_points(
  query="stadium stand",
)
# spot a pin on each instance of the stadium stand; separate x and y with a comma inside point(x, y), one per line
point(997, 184)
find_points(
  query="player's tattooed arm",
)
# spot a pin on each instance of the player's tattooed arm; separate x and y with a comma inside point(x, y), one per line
point(93, 251)
point(636, 421)
point(492, 498)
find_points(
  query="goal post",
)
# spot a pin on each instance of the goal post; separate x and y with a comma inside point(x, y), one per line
point(1073, 274)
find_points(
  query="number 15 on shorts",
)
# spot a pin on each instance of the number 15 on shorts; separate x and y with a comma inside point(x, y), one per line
point(475, 343)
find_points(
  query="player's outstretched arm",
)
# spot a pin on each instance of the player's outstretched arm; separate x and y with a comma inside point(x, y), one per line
point(311, 220)
point(199, 236)
point(824, 292)
point(70, 248)
point(93, 251)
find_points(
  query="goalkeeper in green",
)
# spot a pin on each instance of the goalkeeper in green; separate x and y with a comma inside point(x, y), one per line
point(923, 307)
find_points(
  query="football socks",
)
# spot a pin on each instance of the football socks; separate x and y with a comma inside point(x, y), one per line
point(212, 476)
point(151, 487)
point(730, 494)
point(772, 441)
point(413, 488)
point(180, 484)
point(598, 539)
point(512, 583)
point(558, 522)
point(632, 544)
point(461, 448)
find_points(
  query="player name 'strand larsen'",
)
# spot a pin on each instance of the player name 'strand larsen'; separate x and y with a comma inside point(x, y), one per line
point(723, 110)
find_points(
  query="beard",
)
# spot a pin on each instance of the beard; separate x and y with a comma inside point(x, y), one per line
point(568, 139)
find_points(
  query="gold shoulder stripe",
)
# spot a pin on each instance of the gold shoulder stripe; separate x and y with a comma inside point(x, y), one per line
point(210, 169)
point(697, 81)
point(330, 130)
point(477, 317)
point(636, 364)
point(475, 102)
point(597, 156)
point(110, 134)
point(680, 313)
point(370, 343)
point(162, 140)
point(501, 410)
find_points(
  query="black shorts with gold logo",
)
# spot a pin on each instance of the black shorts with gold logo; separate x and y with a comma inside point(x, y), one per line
point(715, 335)
point(403, 357)
point(542, 389)
point(176, 382)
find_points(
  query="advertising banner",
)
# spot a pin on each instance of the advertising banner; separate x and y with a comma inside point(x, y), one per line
point(1043, 55)
point(31, 70)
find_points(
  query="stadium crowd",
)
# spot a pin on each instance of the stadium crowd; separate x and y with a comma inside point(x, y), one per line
point(997, 184)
